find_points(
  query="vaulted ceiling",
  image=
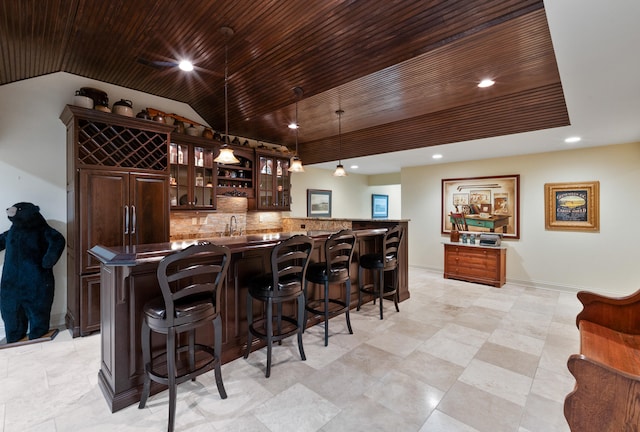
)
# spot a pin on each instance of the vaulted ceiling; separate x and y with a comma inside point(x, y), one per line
point(405, 72)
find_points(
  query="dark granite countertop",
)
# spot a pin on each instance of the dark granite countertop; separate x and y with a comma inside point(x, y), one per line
point(133, 255)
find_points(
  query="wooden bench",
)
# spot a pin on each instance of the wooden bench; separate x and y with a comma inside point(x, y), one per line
point(606, 397)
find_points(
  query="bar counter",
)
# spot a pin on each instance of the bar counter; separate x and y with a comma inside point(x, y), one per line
point(128, 280)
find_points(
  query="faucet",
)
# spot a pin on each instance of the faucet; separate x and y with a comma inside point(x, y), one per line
point(232, 230)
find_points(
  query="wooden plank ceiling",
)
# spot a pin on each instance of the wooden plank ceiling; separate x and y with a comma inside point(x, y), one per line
point(405, 72)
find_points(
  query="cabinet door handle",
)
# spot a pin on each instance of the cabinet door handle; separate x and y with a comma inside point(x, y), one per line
point(133, 219)
point(126, 219)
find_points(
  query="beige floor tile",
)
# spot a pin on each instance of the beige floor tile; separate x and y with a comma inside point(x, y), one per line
point(515, 360)
point(440, 422)
point(412, 399)
point(498, 381)
point(480, 410)
point(296, 409)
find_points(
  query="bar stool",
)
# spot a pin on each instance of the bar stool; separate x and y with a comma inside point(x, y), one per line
point(380, 263)
point(190, 282)
point(289, 260)
point(338, 250)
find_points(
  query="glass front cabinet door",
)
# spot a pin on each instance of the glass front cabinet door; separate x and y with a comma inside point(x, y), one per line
point(274, 183)
point(191, 178)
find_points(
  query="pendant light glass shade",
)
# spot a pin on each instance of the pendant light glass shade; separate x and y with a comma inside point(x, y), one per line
point(226, 155)
point(295, 164)
point(340, 171)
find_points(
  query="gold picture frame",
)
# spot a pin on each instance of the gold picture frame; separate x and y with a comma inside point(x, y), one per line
point(572, 206)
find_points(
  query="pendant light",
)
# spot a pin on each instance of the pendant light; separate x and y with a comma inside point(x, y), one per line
point(295, 164)
point(339, 172)
point(226, 155)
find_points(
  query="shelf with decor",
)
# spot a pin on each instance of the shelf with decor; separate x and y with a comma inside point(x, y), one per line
point(237, 179)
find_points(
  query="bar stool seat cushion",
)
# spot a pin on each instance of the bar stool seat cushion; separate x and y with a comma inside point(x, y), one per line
point(317, 272)
point(261, 287)
point(193, 306)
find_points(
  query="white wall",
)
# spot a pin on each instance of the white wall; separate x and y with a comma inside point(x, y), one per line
point(350, 196)
point(606, 261)
point(33, 151)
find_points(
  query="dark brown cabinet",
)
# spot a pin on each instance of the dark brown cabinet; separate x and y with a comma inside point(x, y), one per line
point(117, 195)
point(485, 265)
point(273, 182)
point(192, 178)
point(121, 208)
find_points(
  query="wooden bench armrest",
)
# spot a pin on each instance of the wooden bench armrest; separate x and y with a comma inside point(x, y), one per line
point(604, 399)
point(617, 313)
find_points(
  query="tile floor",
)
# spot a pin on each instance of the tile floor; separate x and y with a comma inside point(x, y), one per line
point(458, 357)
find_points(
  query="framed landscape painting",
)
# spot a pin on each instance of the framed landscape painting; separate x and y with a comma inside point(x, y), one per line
point(379, 206)
point(318, 203)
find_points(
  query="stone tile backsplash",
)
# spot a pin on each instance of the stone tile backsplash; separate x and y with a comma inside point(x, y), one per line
point(187, 225)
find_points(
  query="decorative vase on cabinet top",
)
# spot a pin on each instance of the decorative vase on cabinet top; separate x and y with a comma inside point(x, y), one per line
point(123, 107)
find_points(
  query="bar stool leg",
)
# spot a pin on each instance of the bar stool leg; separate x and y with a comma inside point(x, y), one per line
point(250, 323)
point(171, 375)
point(192, 351)
point(381, 287)
point(301, 324)
point(326, 313)
point(360, 285)
point(396, 296)
point(347, 302)
point(305, 296)
point(269, 335)
point(146, 361)
point(217, 348)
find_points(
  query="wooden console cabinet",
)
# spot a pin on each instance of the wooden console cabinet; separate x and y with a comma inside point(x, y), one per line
point(480, 264)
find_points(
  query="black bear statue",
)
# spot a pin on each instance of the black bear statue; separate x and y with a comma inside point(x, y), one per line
point(27, 286)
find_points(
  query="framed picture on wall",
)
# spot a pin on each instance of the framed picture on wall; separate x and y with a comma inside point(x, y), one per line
point(379, 206)
point(318, 203)
point(572, 206)
point(489, 204)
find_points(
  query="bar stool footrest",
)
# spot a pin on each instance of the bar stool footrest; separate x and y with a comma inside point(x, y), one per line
point(261, 323)
point(184, 372)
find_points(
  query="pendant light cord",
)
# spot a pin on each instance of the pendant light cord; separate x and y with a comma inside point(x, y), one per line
point(339, 112)
point(297, 127)
point(226, 84)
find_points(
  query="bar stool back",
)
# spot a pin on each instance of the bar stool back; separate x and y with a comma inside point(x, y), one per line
point(336, 269)
point(190, 282)
point(386, 260)
point(289, 261)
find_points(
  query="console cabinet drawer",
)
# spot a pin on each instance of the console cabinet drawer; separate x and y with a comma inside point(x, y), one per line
point(484, 265)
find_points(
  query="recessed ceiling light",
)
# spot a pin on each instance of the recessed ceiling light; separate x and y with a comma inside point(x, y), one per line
point(293, 125)
point(437, 156)
point(574, 139)
point(186, 65)
point(486, 83)
point(354, 167)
